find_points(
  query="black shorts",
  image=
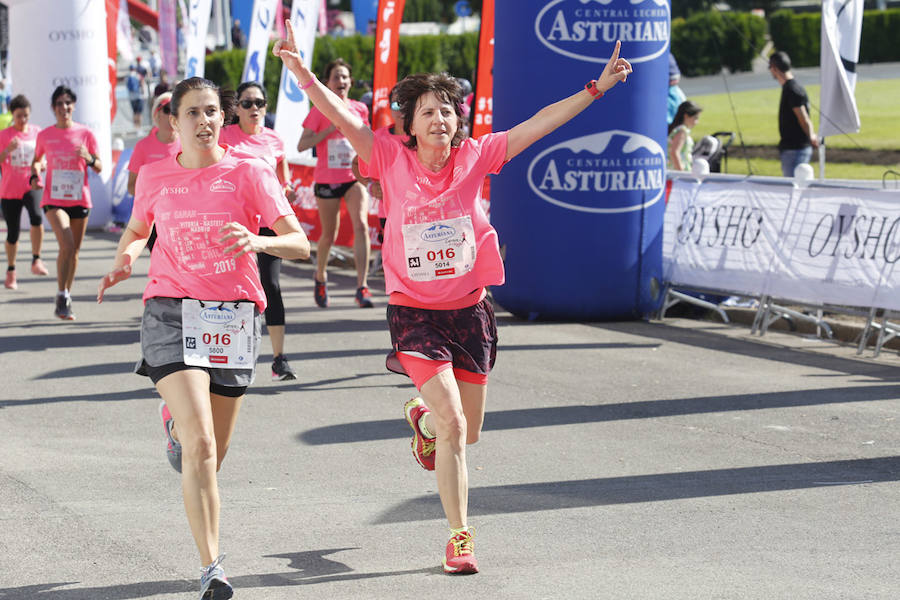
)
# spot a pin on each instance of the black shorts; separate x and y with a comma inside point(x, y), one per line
point(74, 212)
point(332, 190)
point(465, 337)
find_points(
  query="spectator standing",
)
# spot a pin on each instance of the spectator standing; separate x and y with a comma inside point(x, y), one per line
point(676, 94)
point(163, 85)
point(237, 35)
point(795, 127)
point(135, 96)
point(681, 144)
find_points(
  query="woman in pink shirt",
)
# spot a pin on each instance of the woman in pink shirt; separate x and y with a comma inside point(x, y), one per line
point(70, 150)
point(334, 180)
point(17, 142)
point(439, 254)
point(249, 134)
point(160, 143)
point(201, 326)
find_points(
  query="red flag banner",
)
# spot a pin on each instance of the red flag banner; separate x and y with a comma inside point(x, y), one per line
point(484, 84)
point(387, 37)
point(112, 19)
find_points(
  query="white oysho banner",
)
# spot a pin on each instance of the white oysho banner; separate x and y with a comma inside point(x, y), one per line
point(53, 43)
point(258, 41)
point(293, 103)
point(829, 245)
point(197, 27)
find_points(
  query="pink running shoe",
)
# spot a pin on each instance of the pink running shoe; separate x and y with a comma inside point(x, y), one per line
point(38, 268)
point(459, 557)
point(422, 447)
point(10, 282)
point(173, 447)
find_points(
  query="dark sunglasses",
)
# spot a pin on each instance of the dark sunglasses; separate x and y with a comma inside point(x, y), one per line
point(259, 102)
point(166, 109)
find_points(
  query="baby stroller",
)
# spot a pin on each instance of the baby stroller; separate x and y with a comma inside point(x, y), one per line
point(714, 149)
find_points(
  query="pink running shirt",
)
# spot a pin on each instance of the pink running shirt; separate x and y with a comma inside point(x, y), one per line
point(16, 169)
point(66, 181)
point(188, 207)
point(334, 154)
point(414, 196)
point(150, 149)
point(265, 145)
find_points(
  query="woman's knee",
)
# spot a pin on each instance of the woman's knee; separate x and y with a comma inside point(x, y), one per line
point(452, 428)
point(199, 449)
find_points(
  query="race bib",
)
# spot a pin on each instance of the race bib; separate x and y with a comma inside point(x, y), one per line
point(23, 155)
point(439, 249)
point(340, 153)
point(217, 334)
point(66, 184)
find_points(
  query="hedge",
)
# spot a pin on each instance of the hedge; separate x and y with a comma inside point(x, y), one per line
point(455, 54)
point(800, 34)
point(705, 42)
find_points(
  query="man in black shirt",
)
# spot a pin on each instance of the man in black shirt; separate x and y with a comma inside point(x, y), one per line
point(798, 138)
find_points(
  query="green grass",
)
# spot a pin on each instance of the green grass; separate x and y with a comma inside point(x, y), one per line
point(833, 170)
point(757, 115)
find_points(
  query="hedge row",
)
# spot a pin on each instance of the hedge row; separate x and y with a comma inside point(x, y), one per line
point(455, 54)
point(705, 42)
point(800, 34)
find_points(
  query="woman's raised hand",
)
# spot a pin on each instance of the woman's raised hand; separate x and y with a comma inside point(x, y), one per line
point(616, 70)
point(287, 51)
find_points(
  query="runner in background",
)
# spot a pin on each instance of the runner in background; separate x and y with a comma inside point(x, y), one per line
point(160, 143)
point(250, 135)
point(70, 149)
point(17, 143)
point(440, 252)
point(201, 326)
point(333, 177)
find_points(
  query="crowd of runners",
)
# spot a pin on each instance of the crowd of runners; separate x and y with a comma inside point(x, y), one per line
point(211, 184)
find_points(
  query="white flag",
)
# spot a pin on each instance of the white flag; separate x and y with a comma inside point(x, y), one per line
point(198, 26)
point(258, 42)
point(293, 103)
point(123, 33)
point(841, 30)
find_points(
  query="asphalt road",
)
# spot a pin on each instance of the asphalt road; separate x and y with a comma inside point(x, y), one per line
point(645, 460)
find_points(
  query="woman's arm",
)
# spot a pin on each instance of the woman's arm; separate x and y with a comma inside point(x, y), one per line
point(310, 138)
point(552, 116)
point(283, 172)
point(675, 150)
point(132, 179)
point(131, 244)
point(335, 110)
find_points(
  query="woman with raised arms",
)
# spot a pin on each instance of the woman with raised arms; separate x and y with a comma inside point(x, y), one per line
point(201, 327)
point(440, 252)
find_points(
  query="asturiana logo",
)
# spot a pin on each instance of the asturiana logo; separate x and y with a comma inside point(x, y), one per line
point(608, 172)
point(438, 232)
point(588, 29)
point(220, 185)
point(217, 315)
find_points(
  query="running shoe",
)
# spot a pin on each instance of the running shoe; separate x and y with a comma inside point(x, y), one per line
point(173, 446)
point(364, 297)
point(422, 447)
point(321, 293)
point(10, 282)
point(459, 558)
point(38, 268)
point(64, 308)
point(281, 370)
point(213, 583)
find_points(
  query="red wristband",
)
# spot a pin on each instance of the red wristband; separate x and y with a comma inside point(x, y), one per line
point(591, 87)
point(308, 83)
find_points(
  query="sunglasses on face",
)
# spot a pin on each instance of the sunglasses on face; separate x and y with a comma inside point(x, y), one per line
point(395, 105)
point(247, 104)
point(165, 109)
point(61, 103)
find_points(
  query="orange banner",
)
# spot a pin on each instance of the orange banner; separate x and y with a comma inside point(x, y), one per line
point(484, 85)
point(387, 37)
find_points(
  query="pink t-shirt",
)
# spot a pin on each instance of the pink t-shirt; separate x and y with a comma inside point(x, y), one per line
point(150, 149)
point(188, 207)
point(66, 183)
point(430, 215)
point(266, 144)
point(334, 154)
point(16, 169)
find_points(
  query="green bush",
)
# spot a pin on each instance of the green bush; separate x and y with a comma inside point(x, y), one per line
point(455, 54)
point(800, 35)
point(705, 42)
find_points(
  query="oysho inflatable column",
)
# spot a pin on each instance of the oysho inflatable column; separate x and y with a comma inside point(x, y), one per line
point(580, 213)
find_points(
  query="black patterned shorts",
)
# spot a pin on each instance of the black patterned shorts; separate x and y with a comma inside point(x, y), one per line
point(465, 337)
